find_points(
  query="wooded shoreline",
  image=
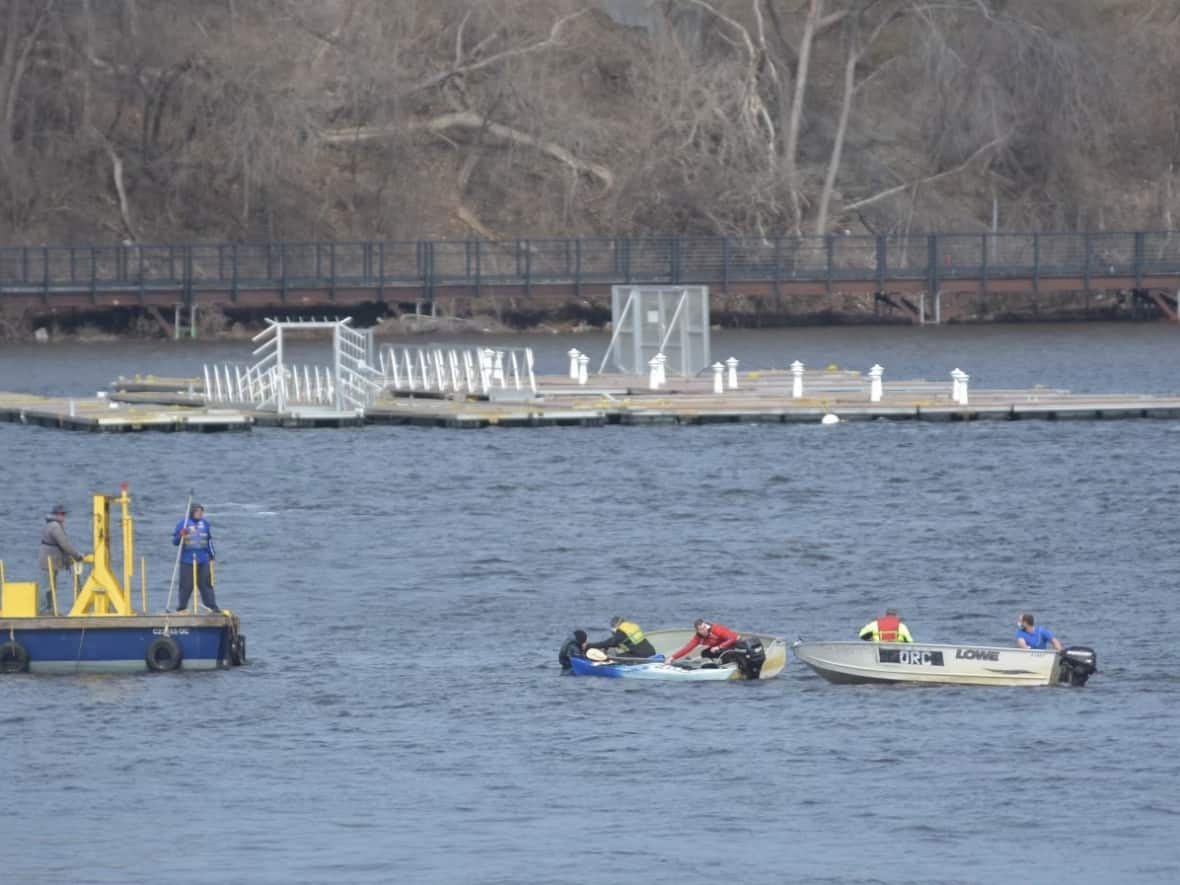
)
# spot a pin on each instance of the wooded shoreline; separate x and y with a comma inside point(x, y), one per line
point(287, 120)
point(495, 316)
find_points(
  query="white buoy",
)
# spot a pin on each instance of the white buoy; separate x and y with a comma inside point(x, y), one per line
point(653, 373)
point(731, 380)
point(830, 419)
point(718, 378)
point(797, 383)
point(875, 374)
point(583, 368)
point(573, 353)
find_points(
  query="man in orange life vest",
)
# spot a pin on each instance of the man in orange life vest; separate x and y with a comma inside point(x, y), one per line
point(888, 628)
point(715, 638)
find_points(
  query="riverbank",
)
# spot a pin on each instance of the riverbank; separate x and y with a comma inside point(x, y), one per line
point(501, 315)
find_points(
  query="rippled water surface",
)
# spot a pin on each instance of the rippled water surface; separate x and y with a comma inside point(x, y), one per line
point(405, 591)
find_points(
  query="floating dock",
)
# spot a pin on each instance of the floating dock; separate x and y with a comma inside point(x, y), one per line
point(105, 415)
point(178, 404)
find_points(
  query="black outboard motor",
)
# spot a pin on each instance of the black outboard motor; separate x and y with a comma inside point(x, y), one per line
point(748, 654)
point(1076, 664)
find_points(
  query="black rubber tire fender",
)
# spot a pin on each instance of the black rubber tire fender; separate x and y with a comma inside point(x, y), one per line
point(163, 654)
point(234, 650)
point(14, 657)
point(241, 648)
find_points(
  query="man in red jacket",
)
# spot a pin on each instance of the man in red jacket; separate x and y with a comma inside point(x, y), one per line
point(715, 638)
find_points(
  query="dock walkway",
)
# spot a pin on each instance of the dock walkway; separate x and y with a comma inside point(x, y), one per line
point(178, 405)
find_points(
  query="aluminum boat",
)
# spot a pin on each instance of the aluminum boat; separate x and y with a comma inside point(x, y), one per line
point(857, 661)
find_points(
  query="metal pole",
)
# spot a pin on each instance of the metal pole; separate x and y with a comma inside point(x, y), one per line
point(338, 400)
point(1140, 258)
point(615, 334)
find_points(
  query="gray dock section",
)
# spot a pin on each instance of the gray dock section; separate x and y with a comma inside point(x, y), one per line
point(177, 405)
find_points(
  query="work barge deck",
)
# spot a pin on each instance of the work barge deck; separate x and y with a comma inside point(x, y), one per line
point(765, 397)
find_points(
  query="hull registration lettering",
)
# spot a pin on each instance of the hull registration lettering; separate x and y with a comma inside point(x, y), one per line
point(910, 656)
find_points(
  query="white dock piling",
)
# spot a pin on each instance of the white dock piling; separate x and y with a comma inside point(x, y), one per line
point(797, 382)
point(573, 353)
point(731, 380)
point(718, 378)
point(959, 386)
point(875, 374)
point(583, 368)
point(653, 373)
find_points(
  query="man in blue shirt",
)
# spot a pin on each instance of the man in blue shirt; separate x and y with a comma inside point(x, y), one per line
point(195, 540)
point(1029, 635)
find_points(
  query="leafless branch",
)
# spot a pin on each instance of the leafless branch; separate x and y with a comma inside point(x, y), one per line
point(471, 120)
point(926, 179)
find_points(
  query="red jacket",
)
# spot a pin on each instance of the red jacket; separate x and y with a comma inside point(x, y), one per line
point(719, 637)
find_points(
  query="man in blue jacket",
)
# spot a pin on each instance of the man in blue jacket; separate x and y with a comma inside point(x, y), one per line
point(1029, 635)
point(196, 546)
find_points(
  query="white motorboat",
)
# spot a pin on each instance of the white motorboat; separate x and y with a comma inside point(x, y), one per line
point(962, 664)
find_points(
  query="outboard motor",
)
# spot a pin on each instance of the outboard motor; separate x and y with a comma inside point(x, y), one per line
point(749, 655)
point(1075, 665)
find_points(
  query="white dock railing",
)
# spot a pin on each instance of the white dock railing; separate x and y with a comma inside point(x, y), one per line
point(349, 384)
point(443, 370)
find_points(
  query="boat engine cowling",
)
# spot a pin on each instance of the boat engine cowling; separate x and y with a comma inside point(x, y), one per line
point(1076, 664)
point(748, 654)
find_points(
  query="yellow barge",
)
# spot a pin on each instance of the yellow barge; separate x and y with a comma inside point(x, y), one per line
point(102, 631)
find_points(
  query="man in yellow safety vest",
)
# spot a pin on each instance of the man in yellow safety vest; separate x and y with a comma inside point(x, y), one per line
point(887, 628)
point(627, 640)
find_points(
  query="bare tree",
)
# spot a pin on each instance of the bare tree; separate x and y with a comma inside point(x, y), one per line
point(859, 43)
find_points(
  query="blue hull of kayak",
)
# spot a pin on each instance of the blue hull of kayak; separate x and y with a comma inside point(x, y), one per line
point(656, 670)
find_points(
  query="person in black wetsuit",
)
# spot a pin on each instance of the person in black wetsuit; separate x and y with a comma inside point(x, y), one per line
point(575, 647)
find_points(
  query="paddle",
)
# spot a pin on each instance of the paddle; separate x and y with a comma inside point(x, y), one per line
point(600, 657)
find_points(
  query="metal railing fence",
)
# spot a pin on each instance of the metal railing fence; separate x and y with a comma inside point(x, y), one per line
point(524, 263)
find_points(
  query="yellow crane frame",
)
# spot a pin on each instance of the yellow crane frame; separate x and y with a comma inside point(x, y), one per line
point(103, 593)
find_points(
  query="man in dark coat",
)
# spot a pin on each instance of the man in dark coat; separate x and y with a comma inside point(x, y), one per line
point(57, 554)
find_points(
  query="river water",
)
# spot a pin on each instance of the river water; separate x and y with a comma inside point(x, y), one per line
point(405, 591)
